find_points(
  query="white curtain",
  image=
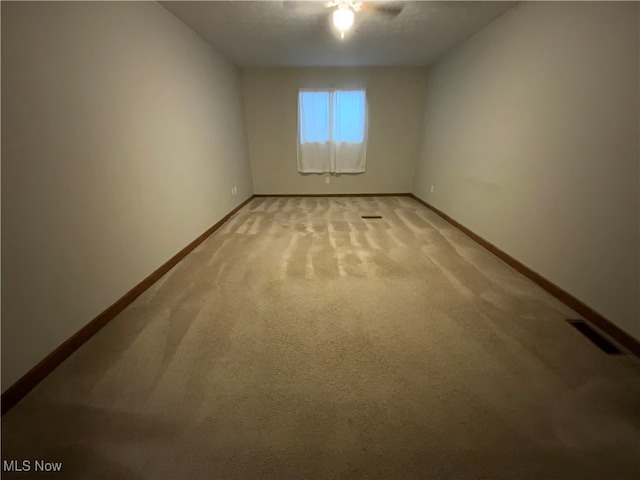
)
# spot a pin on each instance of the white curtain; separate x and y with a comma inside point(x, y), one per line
point(332, 129)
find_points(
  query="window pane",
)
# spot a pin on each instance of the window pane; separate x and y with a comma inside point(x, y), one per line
point(349, 116)
point(313, 116)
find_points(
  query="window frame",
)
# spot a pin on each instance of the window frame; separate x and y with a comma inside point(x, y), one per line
point(331, 92)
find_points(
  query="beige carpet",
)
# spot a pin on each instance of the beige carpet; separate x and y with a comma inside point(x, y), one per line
point(301, 341)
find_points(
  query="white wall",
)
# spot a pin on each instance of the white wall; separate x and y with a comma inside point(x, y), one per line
point(123, 133)
point(531, 140)
point(395, 98)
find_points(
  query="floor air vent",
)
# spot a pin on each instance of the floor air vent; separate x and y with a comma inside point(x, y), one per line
point(370, 216)
point(602, 343)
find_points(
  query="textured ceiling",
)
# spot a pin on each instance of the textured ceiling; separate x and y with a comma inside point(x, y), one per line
point(277, 33)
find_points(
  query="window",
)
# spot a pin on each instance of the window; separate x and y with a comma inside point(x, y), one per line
point(314, 117)
point(348, 116)
point(332, 131)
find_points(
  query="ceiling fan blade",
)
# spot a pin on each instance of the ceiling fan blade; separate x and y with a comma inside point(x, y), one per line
point(306, 5)
point(388, 9)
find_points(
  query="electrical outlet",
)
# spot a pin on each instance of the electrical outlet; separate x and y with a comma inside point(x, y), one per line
point(234, 190)
point(327, 180)
point(431, 188)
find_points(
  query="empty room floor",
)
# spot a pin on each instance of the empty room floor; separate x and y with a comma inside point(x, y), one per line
point(303, 341)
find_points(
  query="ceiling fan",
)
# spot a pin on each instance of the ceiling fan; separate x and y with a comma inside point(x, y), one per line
point(345, 10)
point(387, 8)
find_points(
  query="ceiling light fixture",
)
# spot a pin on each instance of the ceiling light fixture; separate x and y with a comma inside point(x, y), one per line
point(343, 19)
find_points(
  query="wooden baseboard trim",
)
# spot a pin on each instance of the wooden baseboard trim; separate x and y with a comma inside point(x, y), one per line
point(261, 195)
point(33, 377)
point(589, 314)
